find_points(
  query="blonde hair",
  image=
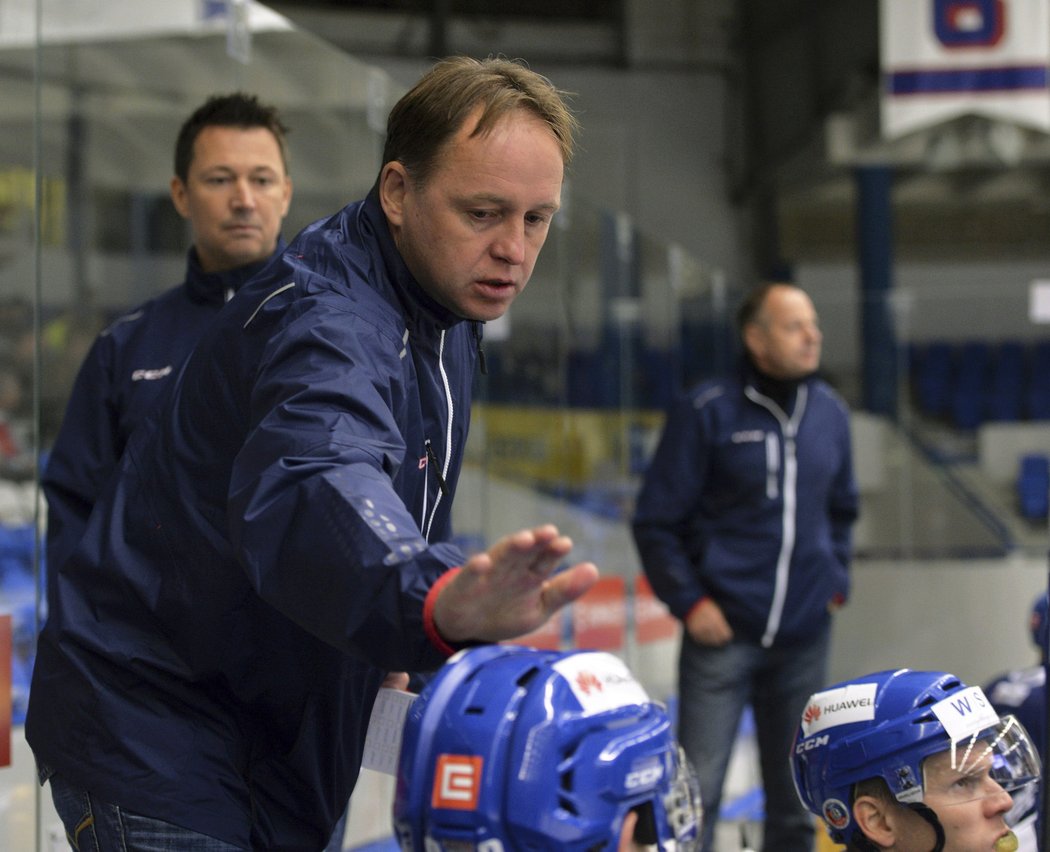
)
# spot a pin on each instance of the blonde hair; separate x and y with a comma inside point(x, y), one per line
point(430, 113)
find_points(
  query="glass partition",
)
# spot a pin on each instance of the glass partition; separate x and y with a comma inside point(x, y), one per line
point(614, 324)
point(611, 326)
point(941, 479)
point(93, 97)
point(578, 374)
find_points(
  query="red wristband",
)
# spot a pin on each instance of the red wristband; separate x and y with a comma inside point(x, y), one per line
point(428, 612)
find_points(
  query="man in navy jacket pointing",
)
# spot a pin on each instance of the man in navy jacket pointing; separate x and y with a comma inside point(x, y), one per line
point(277, 540)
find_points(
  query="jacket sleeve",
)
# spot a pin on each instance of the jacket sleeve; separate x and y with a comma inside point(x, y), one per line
point(667, 505)
point(84, 454)
point(316, 505)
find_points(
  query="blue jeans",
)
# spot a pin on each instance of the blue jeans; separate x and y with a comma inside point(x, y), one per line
point(336, 842)
point(715, 685)
point(96, 826)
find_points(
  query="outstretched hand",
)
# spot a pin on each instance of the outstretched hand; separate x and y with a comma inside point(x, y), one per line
point(509, 590)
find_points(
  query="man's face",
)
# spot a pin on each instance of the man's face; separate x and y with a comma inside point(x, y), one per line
point(784, 340)
point(472, 232)
point(235, 196)
point(971, 806)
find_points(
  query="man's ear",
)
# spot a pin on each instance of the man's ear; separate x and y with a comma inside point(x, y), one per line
point(178, 197)
point(753, 338)
point(874, 819)
point(287, 196)
point(393, 187)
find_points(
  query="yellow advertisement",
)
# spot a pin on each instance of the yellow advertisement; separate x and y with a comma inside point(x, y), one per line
point(561, 446)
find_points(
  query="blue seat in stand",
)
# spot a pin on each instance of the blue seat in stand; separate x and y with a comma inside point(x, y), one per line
point(1037, 391)
point(1006, 393)
point(1033, 486)
point(934, 378)
point(970, 390)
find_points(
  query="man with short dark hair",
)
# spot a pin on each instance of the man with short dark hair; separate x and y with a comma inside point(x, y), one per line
point(231, 184)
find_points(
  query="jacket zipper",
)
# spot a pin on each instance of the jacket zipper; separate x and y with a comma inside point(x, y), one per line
point(432, 459)
point(772, 465)
point(476, 326)
point(789, 429)
point(440, 469)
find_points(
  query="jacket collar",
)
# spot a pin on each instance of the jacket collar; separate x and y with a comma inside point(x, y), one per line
point(217, 287)
point(782, 391)
point(419, 308)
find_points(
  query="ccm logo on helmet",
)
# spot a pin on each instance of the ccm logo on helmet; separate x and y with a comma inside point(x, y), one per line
point(645, 777)
point(811, 743)
point(457, 778)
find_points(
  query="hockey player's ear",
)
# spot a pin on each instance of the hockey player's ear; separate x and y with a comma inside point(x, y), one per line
point(870, 813)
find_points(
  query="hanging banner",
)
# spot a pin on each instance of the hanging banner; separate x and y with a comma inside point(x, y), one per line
point(945, 58)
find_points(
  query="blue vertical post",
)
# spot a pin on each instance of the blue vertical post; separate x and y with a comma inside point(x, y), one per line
point(615, 356)
point(875, 258)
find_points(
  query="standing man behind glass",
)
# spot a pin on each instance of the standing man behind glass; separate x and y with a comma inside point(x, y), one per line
point(231, 184)
point(743, 525)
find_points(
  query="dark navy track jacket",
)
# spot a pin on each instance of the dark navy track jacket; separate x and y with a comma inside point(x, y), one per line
point(751, 507)
point(217, 638)
point(130, 365)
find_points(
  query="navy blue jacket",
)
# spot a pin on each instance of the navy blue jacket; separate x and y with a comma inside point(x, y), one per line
point(127, 370)
point(751, 507)
point(217, 639)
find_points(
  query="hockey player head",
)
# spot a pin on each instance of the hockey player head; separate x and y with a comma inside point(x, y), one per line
point(510, 748)
point(910, 760)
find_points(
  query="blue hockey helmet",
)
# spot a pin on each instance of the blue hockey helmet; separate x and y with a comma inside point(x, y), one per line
point(885, 725)
point(512, 748)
